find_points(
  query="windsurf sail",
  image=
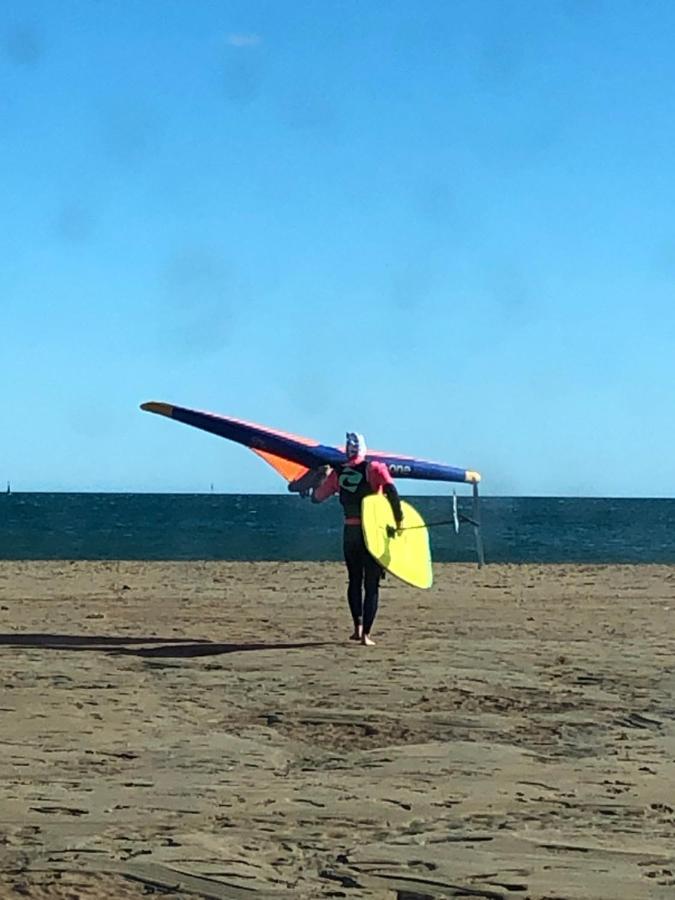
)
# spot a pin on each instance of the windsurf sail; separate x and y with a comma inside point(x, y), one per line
point(292, 455)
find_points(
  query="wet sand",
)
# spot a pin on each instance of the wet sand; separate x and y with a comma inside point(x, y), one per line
point(208, 729)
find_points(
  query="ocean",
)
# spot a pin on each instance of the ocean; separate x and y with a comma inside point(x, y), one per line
point(252, 527)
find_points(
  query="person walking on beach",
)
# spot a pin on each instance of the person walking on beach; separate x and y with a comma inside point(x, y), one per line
point(352, 481)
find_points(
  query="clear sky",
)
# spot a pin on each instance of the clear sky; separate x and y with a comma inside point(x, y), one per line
point(449, 225)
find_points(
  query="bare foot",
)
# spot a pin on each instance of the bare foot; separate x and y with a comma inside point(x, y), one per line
point(358, 633)
point(367, 641)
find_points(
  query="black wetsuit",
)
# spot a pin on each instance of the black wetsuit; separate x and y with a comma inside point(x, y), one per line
point(363, 570)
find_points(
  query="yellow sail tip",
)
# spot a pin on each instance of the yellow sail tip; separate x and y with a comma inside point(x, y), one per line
point(162, 409)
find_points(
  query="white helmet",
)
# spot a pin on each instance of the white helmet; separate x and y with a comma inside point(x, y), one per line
point(355, 445)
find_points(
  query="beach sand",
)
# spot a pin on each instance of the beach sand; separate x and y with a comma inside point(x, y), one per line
point(207, 728)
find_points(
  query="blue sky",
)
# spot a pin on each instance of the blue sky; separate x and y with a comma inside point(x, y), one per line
point(448, 225)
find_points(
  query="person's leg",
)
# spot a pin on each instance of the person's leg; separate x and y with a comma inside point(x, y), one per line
point(352, 541)
point(373, 573)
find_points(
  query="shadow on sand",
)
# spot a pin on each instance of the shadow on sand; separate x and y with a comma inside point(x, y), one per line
point(130, 646)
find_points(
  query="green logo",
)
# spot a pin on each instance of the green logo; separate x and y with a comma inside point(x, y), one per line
point(350, 480)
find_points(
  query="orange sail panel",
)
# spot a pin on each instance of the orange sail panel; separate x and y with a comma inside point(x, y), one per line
point(287, 469)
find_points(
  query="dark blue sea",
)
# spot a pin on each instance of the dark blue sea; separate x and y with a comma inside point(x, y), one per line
point(278, 527)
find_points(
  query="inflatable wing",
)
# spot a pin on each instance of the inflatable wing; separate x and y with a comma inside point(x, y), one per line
point(292, 455)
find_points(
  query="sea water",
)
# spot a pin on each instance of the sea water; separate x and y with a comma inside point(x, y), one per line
point(282, 527)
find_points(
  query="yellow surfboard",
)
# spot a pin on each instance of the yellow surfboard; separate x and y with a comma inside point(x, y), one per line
point(406, 554)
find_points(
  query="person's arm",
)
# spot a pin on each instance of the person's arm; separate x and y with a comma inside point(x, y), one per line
point(306, 483)
point(380, 479)
point(395, 501)
point(326, 488)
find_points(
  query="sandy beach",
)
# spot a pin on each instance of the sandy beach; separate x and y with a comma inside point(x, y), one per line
point(207, 729)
